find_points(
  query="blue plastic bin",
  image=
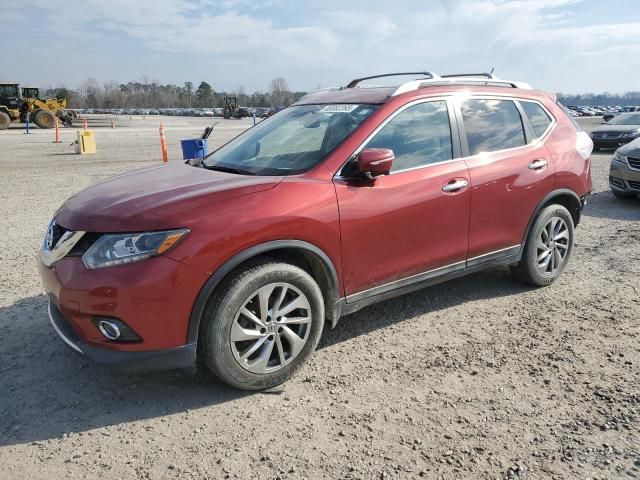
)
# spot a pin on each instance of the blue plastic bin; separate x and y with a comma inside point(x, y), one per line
point(194, 148)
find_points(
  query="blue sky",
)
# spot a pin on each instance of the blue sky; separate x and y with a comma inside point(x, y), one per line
point(558, 45)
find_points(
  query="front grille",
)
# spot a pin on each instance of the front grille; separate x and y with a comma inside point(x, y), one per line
point(608, 135)
point(634, 162)
point(618, 182)
point(85, 242)
point(57, 231)
point(634, 185)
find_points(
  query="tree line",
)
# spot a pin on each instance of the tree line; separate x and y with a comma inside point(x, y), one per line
point(604, 99)
point(152, 94)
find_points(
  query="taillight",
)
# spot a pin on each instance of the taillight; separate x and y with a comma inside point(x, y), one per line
point(584, 144)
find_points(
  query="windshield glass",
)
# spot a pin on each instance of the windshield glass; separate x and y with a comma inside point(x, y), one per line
point(292, 141)
point(8, 91)
point(626, 119)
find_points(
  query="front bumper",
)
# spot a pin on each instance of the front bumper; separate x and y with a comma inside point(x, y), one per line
point(623, 178)
point(154, 298)
point(166, 359)
point(611, 142)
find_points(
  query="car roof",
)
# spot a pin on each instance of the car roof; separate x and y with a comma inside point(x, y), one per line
point(374, 95)
point(380, 95)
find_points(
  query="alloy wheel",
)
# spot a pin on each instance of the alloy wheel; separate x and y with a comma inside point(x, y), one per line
point(552, 246)
point(271, 328)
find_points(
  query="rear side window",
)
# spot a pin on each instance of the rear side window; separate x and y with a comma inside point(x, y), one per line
point(492, 125)
point(539, 119)
point(418, 136)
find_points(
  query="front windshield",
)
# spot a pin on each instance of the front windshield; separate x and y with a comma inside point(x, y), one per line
point(8, 91)
point(292, 141)
point(626, 119)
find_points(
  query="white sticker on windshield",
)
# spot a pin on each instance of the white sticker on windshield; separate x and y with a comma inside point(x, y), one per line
point(346, 108)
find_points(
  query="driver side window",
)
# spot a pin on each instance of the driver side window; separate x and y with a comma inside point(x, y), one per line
point(419, 135)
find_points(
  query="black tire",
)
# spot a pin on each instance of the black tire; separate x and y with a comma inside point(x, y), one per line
point(527, 269)
point(623, 195)
point(45, 119)
point(5, 121)
point(215, 347)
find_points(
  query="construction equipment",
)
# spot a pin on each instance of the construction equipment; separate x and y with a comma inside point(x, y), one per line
point(10, 103)
point(230, 107)
point(15, 104)
point(44, 110)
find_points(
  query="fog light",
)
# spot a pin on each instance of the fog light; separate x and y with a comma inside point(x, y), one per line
point(109, 329)
point(115, 330)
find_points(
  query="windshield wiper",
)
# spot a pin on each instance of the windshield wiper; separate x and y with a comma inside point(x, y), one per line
point(220, 168)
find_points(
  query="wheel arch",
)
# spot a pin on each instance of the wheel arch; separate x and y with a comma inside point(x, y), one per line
point(300, 253)
point(565, 197)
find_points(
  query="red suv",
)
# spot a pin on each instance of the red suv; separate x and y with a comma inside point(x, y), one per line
point(351, 196)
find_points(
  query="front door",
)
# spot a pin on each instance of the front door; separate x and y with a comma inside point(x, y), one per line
point(414, 223)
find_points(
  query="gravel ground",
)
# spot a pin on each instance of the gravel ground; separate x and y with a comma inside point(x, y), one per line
point(478, 378)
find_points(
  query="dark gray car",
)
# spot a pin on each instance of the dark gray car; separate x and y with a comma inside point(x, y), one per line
point(624, 175)
point(618, 131)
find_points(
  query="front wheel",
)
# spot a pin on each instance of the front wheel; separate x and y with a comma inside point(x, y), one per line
point(5, 120)
point(262, 325)
point(548, 247)
point(44, 119)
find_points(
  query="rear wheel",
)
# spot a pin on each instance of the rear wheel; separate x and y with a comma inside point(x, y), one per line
point(5, 120)
point(548, 247)
point(44, 119)
point(262, 325)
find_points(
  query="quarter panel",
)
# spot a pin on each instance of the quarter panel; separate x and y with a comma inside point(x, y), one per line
point(572, 171)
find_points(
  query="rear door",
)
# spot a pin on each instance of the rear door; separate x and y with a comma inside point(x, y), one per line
point(510, 170)
point(412, 224)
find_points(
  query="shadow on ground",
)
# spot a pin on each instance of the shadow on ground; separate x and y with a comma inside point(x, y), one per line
point(604, 205)
point(48, 390)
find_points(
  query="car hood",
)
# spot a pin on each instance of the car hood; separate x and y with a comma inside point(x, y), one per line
point(616, 128)
point(631, 149)
point(142, 199)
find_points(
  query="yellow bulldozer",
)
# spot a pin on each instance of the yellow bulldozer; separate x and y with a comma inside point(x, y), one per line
point(15, 104)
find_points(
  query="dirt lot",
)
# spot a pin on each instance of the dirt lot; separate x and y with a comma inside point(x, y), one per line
point(480, 378)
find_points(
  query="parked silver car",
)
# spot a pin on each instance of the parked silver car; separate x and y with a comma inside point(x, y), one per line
point(624, 174)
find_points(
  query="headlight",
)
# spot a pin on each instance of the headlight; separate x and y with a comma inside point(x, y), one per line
point(618, 157)
point(632, 134)
point(117, 249)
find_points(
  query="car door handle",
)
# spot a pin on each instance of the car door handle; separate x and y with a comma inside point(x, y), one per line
point(454, 185)
point(538, 164)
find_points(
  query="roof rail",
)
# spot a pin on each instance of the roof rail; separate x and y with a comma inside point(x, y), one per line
point(432, 79)
point(430, 76)
point(461, 79)
point(484, 74)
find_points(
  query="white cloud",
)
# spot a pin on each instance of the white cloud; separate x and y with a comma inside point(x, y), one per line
point(249, 42)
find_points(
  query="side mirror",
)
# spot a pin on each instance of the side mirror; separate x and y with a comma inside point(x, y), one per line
point(373, 162)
